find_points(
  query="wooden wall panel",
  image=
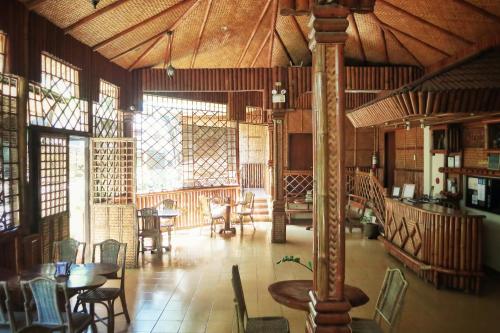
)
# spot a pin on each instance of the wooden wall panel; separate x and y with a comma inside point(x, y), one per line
point(473, 139)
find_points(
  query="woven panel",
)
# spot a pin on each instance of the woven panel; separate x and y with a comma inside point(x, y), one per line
point(259, 37)
point(280, 58)
point(9, 159)
point(371, 37)
point(108, 120)
point(293, 39)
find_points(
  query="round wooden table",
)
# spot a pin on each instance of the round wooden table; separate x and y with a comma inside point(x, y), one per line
point(295, 294)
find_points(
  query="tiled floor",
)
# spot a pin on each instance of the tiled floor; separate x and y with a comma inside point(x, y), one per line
point(189, 290)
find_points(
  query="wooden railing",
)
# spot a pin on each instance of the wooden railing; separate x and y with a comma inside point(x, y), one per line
point(297, 183)
point(366, 185)
point(187, 201)
point(253, 175)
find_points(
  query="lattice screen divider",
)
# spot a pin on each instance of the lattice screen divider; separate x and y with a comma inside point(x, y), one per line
point(112, 191)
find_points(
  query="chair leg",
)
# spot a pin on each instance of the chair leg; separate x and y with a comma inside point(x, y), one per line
point(124, 306)
point(111, 317)
point(169, 232)
point(253, 223)
point(241, 224)
point(92, 315)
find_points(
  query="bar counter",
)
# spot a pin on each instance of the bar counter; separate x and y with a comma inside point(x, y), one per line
point(442, 245)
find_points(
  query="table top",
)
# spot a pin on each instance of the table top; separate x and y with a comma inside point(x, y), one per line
point(295, 294)
point(168, 213)
point(82, 269)
point(433, 208)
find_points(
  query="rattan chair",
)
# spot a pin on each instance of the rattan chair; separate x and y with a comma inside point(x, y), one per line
point(256, 324)
point(67, 250)
point(110, 252)
point(211, 215)
point(44, 292)
point(245, 209)
point(149, 228)
point(355, 211)
point(10, 321)
point(389, 302)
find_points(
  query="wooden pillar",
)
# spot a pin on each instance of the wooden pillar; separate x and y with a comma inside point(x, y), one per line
point(329, 310)
point(278, 214)
point(270, 162)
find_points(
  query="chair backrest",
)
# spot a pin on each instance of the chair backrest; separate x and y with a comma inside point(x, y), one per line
point(167, 204)
point(239, 298)
point(67, 250)
point(44, 291)
point(391, 297)
point(356, 205)
point(248, 202)
point(205, 206)
point(6, 314)
point(149, 218)
point(112, 252)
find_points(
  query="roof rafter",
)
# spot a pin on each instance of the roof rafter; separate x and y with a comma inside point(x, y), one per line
point(276, 33)
point(478, 10)
point(33, 3)
point(405, 48)
point(297, 25)
point(254, 31)
point(425, 22)
point(356, 31)
point(145, 53)
point(138, 25)
point(261, 48)
point(173, 27)
point(273, 28)
point(200, 35)
point(94, 15)
point(384, 39)
point(394, 29)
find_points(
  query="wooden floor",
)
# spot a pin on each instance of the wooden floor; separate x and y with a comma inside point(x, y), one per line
point(189, 290)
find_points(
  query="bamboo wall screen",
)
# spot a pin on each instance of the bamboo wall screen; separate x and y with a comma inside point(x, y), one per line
point(184, 144)
point(3, 51)
point(107, 119)
point(253, 145)
point(55, 103)
point(112, 189)
point(9, 162)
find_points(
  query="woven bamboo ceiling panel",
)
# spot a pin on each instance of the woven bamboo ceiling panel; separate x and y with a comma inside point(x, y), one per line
point(252, 33)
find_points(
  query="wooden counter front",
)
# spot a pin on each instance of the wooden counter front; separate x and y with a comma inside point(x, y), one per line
point(440, 244)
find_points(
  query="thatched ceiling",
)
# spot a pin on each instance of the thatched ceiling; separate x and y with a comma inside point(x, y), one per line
point(242, 33)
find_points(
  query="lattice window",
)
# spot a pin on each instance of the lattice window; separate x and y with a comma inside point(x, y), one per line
point(184, 143)
point(53, 175)
point(9, 163)
point(296, 185)
point(55, 102)
point(107, 118)
point(112, 171)
point(254, 115)
point(3, 51)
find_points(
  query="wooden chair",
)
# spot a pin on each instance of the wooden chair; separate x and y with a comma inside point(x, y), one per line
point(213, 216)
point(149, 227)
point(388, 305)
point(44, 292)
point(355, 211)
point(9, 321)
point(245, 209)
point(170, 225)
point(67, 250)
point(111, 252)
point(256, 324)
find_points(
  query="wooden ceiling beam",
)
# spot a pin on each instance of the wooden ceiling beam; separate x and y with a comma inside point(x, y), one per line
point(200, 35)
point(146, 52)
point(32, 4)
point(394, 29)
point(94, 15)
point(356, 31)
point(478, 10)
point(405, 48)
point(261, 48)
point(254, 31)
point(273, 28)
point(386, 50)
point(171, 28)
point(138, 25)
point(424, 22)
point(276, 33)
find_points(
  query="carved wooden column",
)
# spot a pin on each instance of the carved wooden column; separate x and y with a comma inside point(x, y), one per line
point(329, 310)
point(270, 163)
point(278, 214)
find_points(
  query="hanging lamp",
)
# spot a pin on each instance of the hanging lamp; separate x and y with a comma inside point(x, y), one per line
point(168, 56)
point(95, 3)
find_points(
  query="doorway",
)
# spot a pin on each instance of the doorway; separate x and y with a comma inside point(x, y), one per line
point(79, 227)
point(389, 159)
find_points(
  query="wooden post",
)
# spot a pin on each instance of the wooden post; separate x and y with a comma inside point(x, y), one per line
point(329, 310)
point(270, 162)
point(278, 215)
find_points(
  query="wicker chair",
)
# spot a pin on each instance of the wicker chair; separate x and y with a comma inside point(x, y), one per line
point(256, 324)
point(67, 250)
point(149, 228)
point(355, 211)
point(210, 214)
point(44, 292)
point(9, 321)
point(245, 209)
point(388, 305)
point(111, 252)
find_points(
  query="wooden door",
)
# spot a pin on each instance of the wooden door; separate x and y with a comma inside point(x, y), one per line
point(300, 151)
point(389, 160)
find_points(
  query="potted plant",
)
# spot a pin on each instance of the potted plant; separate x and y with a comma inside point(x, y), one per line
point(297, 261)
point(370, 227)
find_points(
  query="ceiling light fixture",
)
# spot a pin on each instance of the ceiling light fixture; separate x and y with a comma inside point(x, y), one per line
point(95, 3)
point(168, 55)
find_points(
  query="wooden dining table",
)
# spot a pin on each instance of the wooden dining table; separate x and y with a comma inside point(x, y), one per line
point(295, 294)
point(167, 214)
